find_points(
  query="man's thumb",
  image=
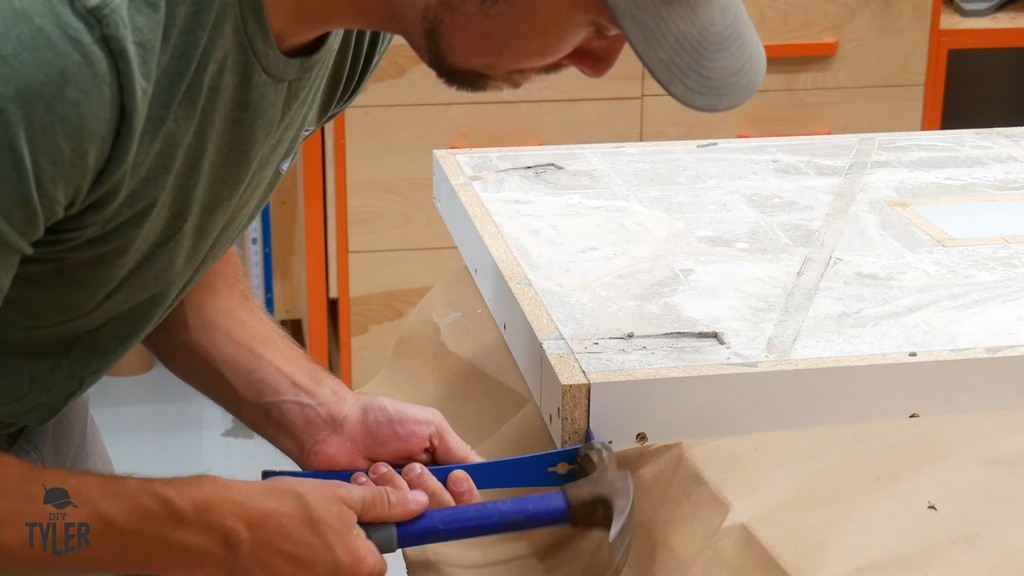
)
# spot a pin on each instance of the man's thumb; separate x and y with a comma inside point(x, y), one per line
point(384, 504)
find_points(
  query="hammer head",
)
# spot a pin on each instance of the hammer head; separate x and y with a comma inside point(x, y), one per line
point(603, 498)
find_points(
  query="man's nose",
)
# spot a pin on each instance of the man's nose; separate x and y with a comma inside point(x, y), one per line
point(596, 59)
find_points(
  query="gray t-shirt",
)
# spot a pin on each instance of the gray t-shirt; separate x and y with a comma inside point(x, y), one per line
point(138, 139)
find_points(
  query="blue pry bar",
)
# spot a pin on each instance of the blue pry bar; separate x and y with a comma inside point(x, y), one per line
point(543, 469)
point(540, 470)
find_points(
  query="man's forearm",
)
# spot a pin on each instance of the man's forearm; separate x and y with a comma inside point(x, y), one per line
point(117, 524)
point(222, 342)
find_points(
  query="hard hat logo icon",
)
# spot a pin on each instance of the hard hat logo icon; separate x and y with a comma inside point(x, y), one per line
point(56, 534)
point(57, 497)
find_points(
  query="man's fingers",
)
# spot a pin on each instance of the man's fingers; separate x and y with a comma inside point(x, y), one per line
point(382, 474)
point(419, 478)
point(384, 504)
point(462, 488)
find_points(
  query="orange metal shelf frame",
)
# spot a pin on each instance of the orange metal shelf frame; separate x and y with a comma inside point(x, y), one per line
point(341, 213)
point(315, 229)
point(945, 39)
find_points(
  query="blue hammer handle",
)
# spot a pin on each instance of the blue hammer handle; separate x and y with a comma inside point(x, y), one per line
point(472, 521)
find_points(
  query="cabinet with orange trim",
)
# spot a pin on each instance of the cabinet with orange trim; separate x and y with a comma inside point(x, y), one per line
point(790, 113)
point(834, 66)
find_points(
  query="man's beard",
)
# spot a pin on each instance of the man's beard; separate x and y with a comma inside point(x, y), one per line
point(471, 80)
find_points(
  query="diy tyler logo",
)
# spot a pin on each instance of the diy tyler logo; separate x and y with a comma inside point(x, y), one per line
point(58, 535)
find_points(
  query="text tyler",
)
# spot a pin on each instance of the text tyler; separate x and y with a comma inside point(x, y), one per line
point(57, 536)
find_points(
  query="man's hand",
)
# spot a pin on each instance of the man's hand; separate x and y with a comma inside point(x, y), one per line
point(305, 526)
point(199, 524)
point(377, 429)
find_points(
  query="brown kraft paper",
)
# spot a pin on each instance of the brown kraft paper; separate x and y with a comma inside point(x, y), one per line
point(928, 495)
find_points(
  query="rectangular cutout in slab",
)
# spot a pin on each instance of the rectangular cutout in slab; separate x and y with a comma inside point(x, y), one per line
point(977, 219)
point(968, 222)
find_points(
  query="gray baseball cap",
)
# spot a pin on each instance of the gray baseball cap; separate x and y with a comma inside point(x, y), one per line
point(704, 53)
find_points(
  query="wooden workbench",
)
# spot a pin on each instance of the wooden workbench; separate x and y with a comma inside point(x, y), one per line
point(676, 290)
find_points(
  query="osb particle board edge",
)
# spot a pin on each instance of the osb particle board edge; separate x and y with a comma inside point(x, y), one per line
point(458, 203)
point(512, 273)
point(575, 414)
